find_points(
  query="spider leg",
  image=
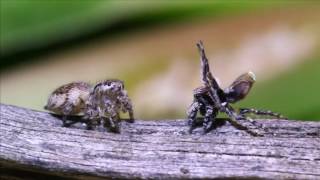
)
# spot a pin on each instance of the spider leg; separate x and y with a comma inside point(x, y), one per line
point(192, 114)
point(102, 122)
point(206, 74)
point(127, 106)
point(209, 118)
point(207, 77)
point(114, 124)
point(68, 107)
point(89, 125)
point(234, 117)
point(64, 121)
point(117, 123)
point(113, 120)
point(244, 111)
point(92, 113)
point(131, 116)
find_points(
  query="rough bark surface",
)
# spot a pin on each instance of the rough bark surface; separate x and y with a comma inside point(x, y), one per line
point(34, 145)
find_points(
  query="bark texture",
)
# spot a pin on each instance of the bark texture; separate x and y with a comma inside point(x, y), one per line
point(34, 145)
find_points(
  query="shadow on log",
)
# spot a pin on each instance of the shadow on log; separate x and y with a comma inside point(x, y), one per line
point(35, 146)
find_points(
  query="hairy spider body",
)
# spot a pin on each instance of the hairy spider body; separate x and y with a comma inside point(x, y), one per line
point(103, 101)
point(69, 99)
point(106, 101)
point(210, 99)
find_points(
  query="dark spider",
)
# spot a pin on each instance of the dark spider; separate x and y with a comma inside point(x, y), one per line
point(210, 99)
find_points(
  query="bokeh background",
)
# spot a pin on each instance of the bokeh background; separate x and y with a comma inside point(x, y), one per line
point(151, 46)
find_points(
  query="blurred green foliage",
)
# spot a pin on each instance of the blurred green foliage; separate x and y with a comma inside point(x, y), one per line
point(29, 23)
point(24, 21)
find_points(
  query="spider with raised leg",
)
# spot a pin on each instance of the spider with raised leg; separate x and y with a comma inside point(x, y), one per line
point(210, 99)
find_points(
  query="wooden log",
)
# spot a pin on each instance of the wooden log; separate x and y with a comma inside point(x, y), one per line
point(34, 145)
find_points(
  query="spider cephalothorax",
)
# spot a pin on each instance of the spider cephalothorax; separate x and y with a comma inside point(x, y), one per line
point(102, 102)
point(210, 99)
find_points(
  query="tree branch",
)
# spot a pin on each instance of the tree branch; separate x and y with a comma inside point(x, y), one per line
point(33, 144)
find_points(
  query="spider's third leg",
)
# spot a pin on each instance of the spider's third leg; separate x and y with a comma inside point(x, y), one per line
point(127, 106)
point(115, 123)
point(209, 118)
point(113, 119)
point(233, 120)
point(192, 114)
point(112, 122)
point(66, 111)
point(261, 112)
point(91, 116)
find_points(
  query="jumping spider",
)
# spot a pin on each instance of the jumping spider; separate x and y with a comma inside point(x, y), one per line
point(210, 99)
point(102, 102)
point(105, 102)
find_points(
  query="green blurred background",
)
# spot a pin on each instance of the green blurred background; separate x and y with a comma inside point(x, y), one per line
point(151, 46)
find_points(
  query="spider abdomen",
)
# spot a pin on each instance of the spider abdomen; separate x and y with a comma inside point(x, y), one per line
point(69, 99)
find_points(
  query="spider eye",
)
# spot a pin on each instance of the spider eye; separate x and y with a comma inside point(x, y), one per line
point(108, 83)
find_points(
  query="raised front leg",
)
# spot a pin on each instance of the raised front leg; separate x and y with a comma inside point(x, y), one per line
point(207, 77)
point(205, 68)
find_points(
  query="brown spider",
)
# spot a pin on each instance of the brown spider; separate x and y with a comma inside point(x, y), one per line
point(102, 102)
point(210, 99)
point(105, 102)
